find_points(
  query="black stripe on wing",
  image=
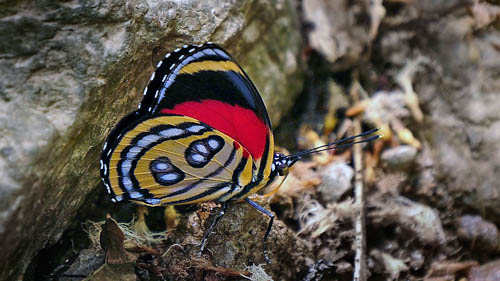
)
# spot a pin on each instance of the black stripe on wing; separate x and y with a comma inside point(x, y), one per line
point(204, 179)
point(110, 145)
point(169, 86)
point(168, 68)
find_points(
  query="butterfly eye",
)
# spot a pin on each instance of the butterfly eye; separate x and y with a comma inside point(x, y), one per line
point(283, 171)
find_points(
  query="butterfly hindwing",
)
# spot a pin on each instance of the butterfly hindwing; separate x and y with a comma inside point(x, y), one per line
point(171, 159)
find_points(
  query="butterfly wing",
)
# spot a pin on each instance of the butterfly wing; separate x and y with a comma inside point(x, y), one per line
point(204, 82)
point(172, 159)
point(204, 86)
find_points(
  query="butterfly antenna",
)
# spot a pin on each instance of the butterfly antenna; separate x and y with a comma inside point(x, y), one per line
point(345, 142)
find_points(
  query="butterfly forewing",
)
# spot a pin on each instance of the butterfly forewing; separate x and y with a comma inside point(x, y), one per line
point(202, 86)
point(170, 159)
point(206, 83)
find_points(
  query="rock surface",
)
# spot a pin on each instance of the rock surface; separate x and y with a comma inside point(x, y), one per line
point(486, 272)
point(336, 181)
point(482, 234)
point(400, 156)
point(236, 242)
point(336, 32)
point(419, 221)
point(70, 70)
point(85, 264)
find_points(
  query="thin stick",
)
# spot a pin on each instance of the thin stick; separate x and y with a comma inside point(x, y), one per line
point(360, 268)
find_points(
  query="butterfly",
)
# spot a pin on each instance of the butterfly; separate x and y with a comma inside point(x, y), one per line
point(200, 133)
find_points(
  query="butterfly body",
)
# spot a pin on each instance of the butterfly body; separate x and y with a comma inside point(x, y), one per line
point(201, 133)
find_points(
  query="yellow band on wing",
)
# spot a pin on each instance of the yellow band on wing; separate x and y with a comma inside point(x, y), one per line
point(209, 65)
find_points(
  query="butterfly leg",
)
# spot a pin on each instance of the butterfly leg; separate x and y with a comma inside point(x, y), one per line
point(212, 226)
point(269, 226)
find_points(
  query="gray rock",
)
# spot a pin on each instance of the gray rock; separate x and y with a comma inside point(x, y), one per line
point(400, 156)
point(70, 70)
point(88, 261)
point(481, 233)
point(418, 220)
point(486, 272)
point(111, 272)
point(335, 32)
point(337, 178)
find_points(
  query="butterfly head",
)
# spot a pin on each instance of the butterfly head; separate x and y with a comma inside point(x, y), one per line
point(281, 164)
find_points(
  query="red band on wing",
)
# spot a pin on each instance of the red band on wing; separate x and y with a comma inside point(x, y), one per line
point(235, 121)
